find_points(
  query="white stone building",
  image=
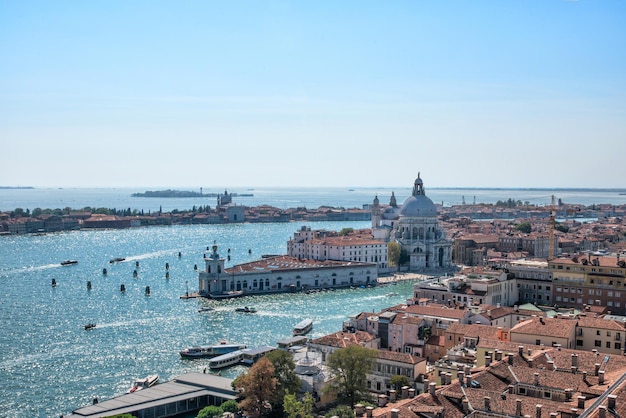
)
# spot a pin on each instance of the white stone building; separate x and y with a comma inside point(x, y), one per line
point(414, 226)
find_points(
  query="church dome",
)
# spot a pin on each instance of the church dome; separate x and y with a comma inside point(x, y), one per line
point(418, 205)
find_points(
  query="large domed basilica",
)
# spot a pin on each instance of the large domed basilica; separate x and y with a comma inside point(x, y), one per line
point(415, 227)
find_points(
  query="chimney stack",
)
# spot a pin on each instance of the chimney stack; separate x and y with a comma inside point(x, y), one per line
point(550, 365)
point(518, 407)
point(601, 377)
point(487, 403)
point(574, 412)
point(488, 358)
point(368, 411)
point(405, 392)
point(382, 400)
point(510, 357)
point(575, 360)
point(581, 402)
point(465, 403)
point(602, 411)
point(359, 409)
point(392, 395)
point(394, 413)
point(520, 350)
point(596, 369)
point(461, 376)
point(498, 355)
point(538, 410)
point(612, 399)
point(432, 387)
point(536, 379)
point(468, 379)
point(530, 363)
point(411, 393)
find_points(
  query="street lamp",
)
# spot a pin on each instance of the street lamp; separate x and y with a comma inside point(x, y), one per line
point(187, 286)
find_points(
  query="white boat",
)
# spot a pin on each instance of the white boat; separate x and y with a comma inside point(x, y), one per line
point(303, 327)
point(144, 383)
point(227, 360)
point(201, 351)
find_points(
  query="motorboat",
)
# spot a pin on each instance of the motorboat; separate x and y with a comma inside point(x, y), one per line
point(144, 383)
point(203, 351)
point(303, 327)
point(246, 309)
point(116, 260)
point(69, 262)
point(206, 309)
point(90, 326)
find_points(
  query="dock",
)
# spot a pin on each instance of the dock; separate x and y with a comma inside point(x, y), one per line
point(183, 395)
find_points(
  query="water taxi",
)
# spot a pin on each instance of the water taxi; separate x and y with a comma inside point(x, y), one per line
point(69, 262)
point(144, 383)
point(303, 327)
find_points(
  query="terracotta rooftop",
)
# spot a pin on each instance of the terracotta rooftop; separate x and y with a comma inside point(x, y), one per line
point(286, 263)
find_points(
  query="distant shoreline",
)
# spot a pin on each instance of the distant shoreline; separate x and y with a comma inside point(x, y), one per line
point(15, 187)
point(184, 193)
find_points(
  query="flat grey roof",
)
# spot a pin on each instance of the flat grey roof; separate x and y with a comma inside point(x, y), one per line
point(187, 386)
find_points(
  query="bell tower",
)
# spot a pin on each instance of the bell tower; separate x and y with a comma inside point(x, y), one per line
point(209, 279)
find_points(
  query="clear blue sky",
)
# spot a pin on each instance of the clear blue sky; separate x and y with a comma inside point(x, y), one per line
point(313, 93)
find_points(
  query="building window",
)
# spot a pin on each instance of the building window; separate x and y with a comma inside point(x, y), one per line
point(618, 346)
point(597, 343)
point(579, 342)
point(537, 342)
point(608, 344)
point(597, 332)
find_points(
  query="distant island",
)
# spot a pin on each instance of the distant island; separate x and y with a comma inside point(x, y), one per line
point(16, 187)
point(183, 193)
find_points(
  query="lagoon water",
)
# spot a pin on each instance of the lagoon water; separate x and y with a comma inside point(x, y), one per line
point(50, 365)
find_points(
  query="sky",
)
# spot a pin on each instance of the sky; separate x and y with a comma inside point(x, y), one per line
point(132, 93)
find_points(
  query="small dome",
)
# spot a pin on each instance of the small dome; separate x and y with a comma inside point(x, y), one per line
point(418, 205)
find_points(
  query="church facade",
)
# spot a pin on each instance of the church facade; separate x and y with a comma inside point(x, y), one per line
point(414, 225)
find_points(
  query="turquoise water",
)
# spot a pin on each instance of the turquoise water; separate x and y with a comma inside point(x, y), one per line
point(50, 365)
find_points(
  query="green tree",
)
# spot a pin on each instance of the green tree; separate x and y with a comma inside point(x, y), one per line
point(404, 256)
point(230, 406)
point(399, 381)
point(346, 231)
point(342, 411)
point(36, 212)
point(284, 372)
point(258, 388)
point(210, 412)
point(349, 366)
point(298, 409)
point(524, 227)
point(393, 253)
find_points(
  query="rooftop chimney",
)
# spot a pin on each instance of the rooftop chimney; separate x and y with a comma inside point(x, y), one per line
point(510, 357)
point(518, 407)
point(498, 355)
point(581, 402)
point(602, 411)
point(536, 379)
point(611, 399)
point(520, 350)
point(405, 392)
point(368, 411)
point(432, 386)
point(359, 409)
point(411, 393)
point(601, 377)
point(530, 363)
point(487, 403)
point(461, 376)
point(392, 395)
point(382, 400)
point(575, 360)
point(465, 403)
point(538, 411)
point(574, 412)
point(394, 413)
point(596, 369)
